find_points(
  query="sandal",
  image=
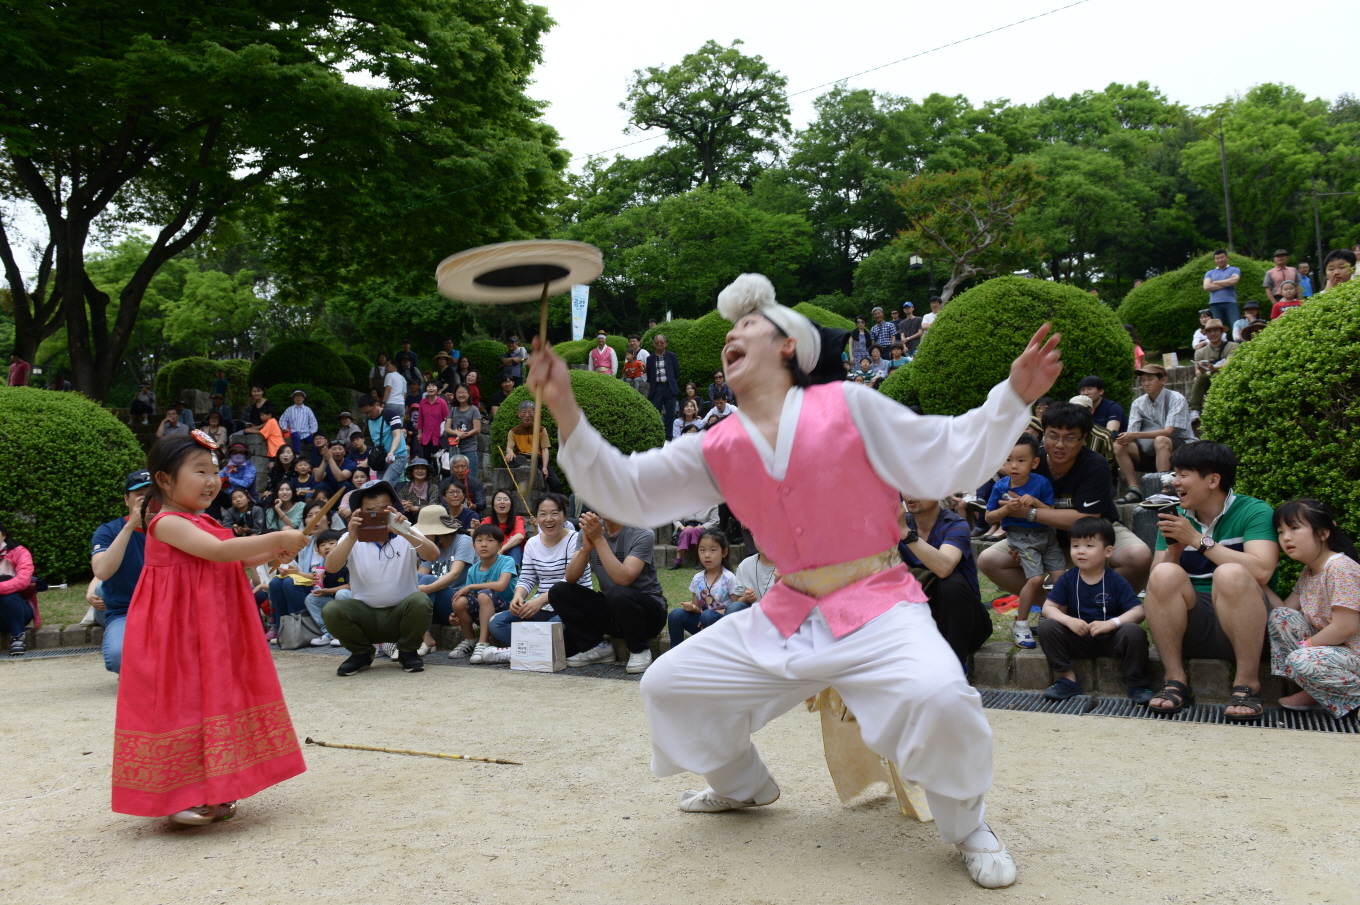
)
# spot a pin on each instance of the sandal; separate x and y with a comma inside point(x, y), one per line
point(1243, 696)
point(1133, 496)
point(1178, 693)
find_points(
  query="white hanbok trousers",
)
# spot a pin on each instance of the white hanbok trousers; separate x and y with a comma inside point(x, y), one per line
point(897, 675)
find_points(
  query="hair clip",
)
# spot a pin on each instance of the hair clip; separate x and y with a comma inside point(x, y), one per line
point(203, 439)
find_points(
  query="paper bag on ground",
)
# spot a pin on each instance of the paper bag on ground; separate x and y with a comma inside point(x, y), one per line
point(538, 646)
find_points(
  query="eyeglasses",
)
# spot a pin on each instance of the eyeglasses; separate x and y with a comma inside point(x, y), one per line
point(1051, 439)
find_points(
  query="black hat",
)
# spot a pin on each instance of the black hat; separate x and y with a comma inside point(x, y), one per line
point(356, 499)
point(137, 480)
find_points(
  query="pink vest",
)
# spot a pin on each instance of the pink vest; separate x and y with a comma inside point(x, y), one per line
point(599, 358)
point(801, 521)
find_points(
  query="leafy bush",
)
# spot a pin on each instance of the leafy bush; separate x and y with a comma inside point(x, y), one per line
point(881, 279)
point(1286, 404)
point(616, 410)
point(577, 352)
point(970, 347)
point(1165, 309)
point(839, 303)
point(359, 368)
point(325, 402)
point(823, 316)
point(484, 356)
point(63, 461)
point(198, 374)
point(300, 362)
point(697, 345)
point(898, 386)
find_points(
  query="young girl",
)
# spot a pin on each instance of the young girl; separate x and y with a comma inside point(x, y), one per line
point(711, 590)
point(689, 529)
point(488, 588)
point(463, 425)
point(474, 391)
point(201, 719)
point(691, 392)
point(280, 472)
point(1315, 633)
point(846, 612)
point(1290, 292)
point(286, 512)
point(512, 526)
point(689, 414)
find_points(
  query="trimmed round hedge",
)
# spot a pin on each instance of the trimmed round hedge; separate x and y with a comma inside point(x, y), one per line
point(63, 463)
point(325, 402)
point(577, 351)
point(1165, 309)
point(840, 303)
point(1286, 404)
point(898, 386)
point(971, 345)
point(697, 345)
point(484, 356)
point(823, 316)
point(616, 410)
point(198, 373)
point(359, 368)
point(301, 362)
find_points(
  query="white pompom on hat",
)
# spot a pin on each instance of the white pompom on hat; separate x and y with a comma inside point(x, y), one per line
point(753, 293)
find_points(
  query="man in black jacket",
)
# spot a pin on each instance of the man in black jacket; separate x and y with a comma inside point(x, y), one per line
point(663, 372)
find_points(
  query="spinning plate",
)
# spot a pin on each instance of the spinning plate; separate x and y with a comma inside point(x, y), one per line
point(516, 271)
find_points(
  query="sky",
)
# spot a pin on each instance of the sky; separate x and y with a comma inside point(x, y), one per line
point(1197, 53)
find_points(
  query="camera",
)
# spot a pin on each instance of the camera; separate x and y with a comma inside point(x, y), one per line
point(373, 526)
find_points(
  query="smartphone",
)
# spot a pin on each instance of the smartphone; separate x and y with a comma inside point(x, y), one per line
point(372, 527)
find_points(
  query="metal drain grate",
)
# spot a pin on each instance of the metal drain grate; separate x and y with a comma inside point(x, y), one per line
point(49, 654)
point(1216, 715)
point(1034, 702)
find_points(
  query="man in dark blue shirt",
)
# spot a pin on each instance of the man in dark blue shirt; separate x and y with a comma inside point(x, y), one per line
point(1105, 413)
point(942, 560)
point(118, 552)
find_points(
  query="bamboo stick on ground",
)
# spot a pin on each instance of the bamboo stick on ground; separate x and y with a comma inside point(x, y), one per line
point(485, 760)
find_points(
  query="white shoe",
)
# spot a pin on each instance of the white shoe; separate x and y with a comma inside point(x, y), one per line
point(990, 865)
point(710, 802)
point(464, 648)
point(335, 642)
point(322, 640)
point(423, 649)
point(638, 662)
point(496, 655)
point(479, 653)
point(1022, 634)
point(600, 653)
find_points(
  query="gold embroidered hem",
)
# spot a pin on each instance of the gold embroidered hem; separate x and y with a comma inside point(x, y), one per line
point(853, 766)
point(828, 579)
point(219, 746)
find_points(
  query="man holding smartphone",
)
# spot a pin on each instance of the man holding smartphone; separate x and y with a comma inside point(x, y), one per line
point(387, 605)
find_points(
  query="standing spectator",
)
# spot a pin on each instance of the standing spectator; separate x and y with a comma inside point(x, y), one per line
point(937, 548)
point(719, 388)
point(1251, 313)
point(243, 517)
point(1289, 298)
point(116, 561)
point(1209, 362)
point(860, 340)
point(1205, 597)
point(1105, 412)
point(663, 373)
point(18, 602)
point(1159, 424)
point(144, 403)
point(911, 329)
point(1338, 268)
point(446, 372)
point(239, 472)
point(299, 421)
point(393, 393)
point(220, 385)
point(883, 333)
point(511, 525)
point(936, 303)
point(546, 557)
point(1276, 276)
point(634, 372)
point(603, 359)
point(388, 439)
point(170, 425)
point(378, 374)
point(494, 403)
point(641, 354)
point(432, 410)
point(19, 371)
point(464, 425)
point(1305, 280)
point(408, 363)
point(1221, 284)
point(256, 410)
point(512, 365)
point(1138, 357)
point(630, 604)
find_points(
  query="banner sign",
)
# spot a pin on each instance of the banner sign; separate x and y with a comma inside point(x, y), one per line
point(580, 295)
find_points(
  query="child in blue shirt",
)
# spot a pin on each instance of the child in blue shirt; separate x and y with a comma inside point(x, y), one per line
point(1036, 544)
point(1092, 612)
point(489, 582)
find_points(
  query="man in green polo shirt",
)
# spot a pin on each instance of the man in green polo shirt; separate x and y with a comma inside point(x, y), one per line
point(1205, 597)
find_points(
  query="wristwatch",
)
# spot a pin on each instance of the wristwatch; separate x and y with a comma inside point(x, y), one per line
point(1206, 544)
point(912, 536)
point(1033, 515)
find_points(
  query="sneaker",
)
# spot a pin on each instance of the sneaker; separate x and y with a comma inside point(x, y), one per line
point(479, 653)
point(1194, 416)
point(638, 663)
point(353, 663)
point(323, 640)
point(464, 649)
point(496, 655)
point(410, 661)
point(335, 642)
point(389, 650)
point(976, 504)
point(600, 653)
point(1020, 631)
point(1141, 696)
point(17, 646)
point(710, 802)
point(1063, 689)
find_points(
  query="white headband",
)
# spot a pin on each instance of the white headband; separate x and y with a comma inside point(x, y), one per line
point(753, 293)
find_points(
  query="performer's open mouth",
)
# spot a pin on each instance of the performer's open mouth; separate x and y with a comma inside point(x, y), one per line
point(733, 355)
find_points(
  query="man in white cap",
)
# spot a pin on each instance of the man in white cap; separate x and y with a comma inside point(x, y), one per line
point(603, 359)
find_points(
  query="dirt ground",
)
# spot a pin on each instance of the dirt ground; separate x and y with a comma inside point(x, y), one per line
point(1095, 810)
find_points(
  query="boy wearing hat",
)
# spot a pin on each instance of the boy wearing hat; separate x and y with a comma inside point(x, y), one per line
point(116, 559)
point(348, 430)
point(299, 421)
point(1159, 424)
point(1209, 361)
point(387, 605)
point(1251, 312)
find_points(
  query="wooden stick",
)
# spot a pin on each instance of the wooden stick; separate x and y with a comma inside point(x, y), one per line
point(485, 760)
point(519, 490)
point(538, 397)
point(320, 514)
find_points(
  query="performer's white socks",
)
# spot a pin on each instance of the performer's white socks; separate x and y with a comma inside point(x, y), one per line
point(982, 839)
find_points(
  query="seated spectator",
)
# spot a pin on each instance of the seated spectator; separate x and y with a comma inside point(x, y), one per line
point(290, 588)
point(546, 556)
point(336, 469)
point(280, 472)
point(387, 605)
point(511, 525)
point(630, 604)
point(755, 575)
point(1199, 339)
point(1206, 600)
point(878, 365)
point(454, 499)
point(689, 530)
point(328, 585)
point(348, 430)
point(488, 589)
point(899, 357)
point(460, 472)
point(689, 414)
point(634, 371)
point(1209, 362)
point(1289, 299)
point(144, 403)
point(1251, 313)
point(1035, 543)
point(1081, 486)
point(711, 590)
point(417, 491)
point(286, 511)
point(243, 517)
point(299, 421)
point(186, 414)
point(722, 408)
point(1093, 612)
point(1315, 632)
point(18, 595)
point(719, 389)
point(937, 548)
point(214, 428)
point(474, 378)
point(692, 392)
point(239, 472)
point(441, 578)
point(1159, 424)
point(464, 425)
point(116, 561)
point(495, 402)
point(521, 437)
point(866, 373)
point(315, 452)
point(359, 478)
point(1105, 412)
point(1337, 268)
point(1099, 439)
point(170, 425)
point(1036, 424)
point(304, 482)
